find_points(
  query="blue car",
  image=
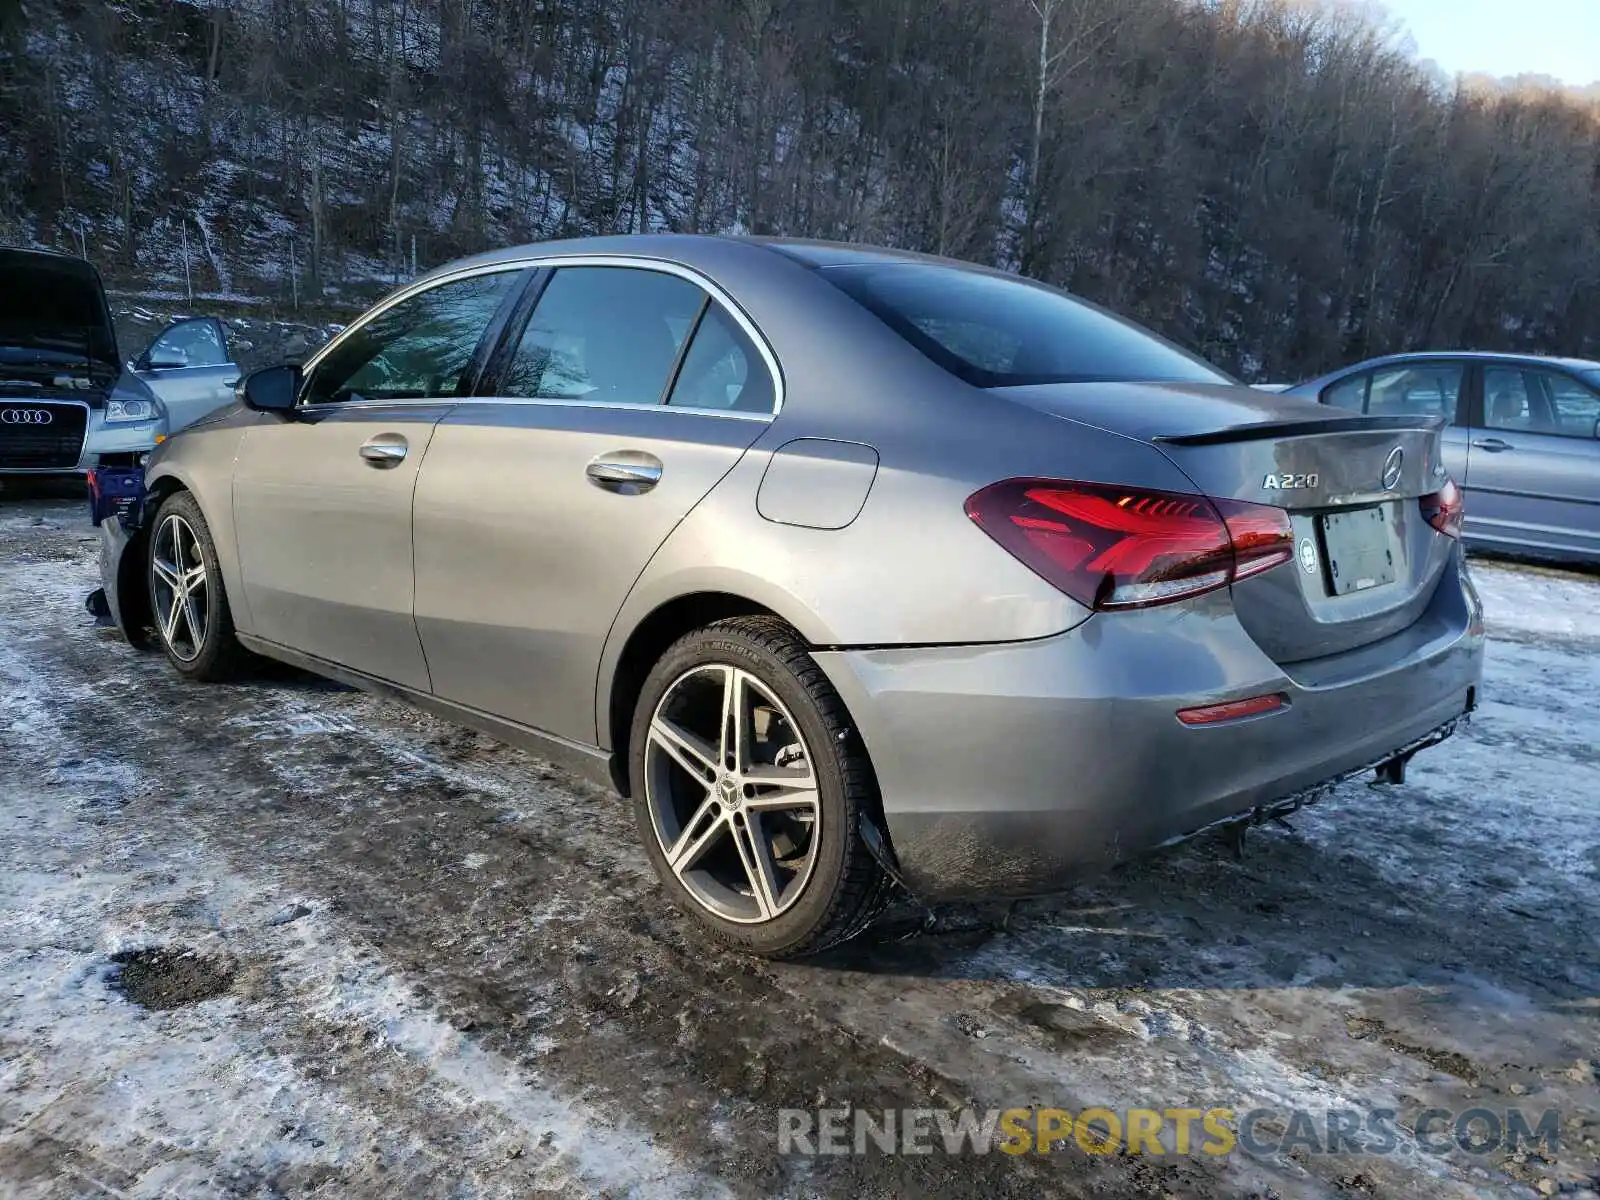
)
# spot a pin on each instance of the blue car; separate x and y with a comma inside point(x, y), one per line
point(1522, 439)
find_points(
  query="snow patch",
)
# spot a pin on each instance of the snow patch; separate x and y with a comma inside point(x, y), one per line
point(1538, 601)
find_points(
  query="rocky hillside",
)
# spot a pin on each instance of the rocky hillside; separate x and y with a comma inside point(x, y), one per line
point(1276, 183)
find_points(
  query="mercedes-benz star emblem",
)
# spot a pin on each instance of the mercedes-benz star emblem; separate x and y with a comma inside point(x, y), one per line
point(1392, 469)
point(26, 416)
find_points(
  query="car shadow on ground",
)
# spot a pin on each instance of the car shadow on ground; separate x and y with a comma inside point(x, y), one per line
point(1544, 566)
point(16, 489)
point(1351, 895)
point(1293, 913)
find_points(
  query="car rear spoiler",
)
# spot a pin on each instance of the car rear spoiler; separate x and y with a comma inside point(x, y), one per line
point(1352, 423)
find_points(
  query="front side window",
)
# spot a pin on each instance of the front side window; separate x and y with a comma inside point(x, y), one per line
point(999, 331)
point(605, 335)
point(197, 343)
point(1532, 400)
point(419, 349)
point(1505, 400)
point(1428, 390)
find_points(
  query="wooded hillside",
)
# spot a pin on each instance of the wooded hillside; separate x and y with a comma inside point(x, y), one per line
point(1271, 182)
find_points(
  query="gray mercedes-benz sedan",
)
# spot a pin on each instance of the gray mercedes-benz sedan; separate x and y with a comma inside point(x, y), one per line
point(848, 566)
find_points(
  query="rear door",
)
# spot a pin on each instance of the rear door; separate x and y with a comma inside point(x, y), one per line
point(617, 404)
point(1535, 477)
point(322, 501)
point(188, 366)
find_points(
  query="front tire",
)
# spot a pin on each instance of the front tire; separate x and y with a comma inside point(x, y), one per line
point(187, 600)
point(749, 787)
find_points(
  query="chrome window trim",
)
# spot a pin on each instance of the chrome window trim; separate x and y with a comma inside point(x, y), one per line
point(372, 314)
point(556, 262)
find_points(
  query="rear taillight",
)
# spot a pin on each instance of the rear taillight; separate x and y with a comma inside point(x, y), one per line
point(1112, 547)
point(1443, 509)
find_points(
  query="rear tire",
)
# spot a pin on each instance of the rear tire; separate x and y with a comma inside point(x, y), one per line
point(749, 786)
point(189, 605)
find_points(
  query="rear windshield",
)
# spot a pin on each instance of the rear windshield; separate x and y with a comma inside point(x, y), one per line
point(995, 331)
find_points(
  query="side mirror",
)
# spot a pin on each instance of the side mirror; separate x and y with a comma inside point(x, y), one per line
point(272, 389)
point(166, 358)
point(1597, 428)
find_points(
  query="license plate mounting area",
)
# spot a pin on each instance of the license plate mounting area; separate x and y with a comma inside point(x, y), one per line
point(1360, 549)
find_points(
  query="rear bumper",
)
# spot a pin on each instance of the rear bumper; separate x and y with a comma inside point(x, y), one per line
point(1011, 770)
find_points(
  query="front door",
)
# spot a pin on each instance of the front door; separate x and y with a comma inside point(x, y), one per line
point(322, 501)
point(1534, 476)
point(629, 394)
point(188, 366)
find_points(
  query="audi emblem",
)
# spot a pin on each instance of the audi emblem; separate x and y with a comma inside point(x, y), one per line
point(26, 416)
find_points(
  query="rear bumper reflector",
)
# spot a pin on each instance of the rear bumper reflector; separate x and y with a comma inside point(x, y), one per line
point(1215, 714)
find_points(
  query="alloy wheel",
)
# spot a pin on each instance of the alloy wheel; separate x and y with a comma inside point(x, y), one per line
point(732, 794)
point(178, 587)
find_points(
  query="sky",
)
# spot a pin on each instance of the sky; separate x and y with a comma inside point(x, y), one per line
point(1507, 37)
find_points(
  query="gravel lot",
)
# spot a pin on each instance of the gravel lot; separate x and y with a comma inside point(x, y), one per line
point(282, 939)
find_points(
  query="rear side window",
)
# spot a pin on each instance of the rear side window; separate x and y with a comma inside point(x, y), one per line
point(1574, 405)
point(626, 335)
point(608, 335)
point(418, 349)
point(997, 331)
point(1428, 391)
point(723, 371)
point(1349, 394)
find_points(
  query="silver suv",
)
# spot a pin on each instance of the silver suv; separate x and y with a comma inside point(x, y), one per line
point(67, 401)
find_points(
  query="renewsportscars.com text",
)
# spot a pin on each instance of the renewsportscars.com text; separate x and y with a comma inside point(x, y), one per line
point(1215, 1132)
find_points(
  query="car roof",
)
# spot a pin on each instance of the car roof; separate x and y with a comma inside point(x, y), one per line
point(1574, 364)
point(702, 251)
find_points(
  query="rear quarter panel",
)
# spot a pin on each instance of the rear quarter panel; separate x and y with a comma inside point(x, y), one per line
point(911, 568)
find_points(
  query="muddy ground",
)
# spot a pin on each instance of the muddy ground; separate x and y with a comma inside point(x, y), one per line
point(285, 939)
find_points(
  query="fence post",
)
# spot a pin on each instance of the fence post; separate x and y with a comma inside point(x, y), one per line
point(188, 280)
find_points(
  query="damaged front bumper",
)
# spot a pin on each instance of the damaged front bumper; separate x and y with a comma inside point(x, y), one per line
point(116, 506)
